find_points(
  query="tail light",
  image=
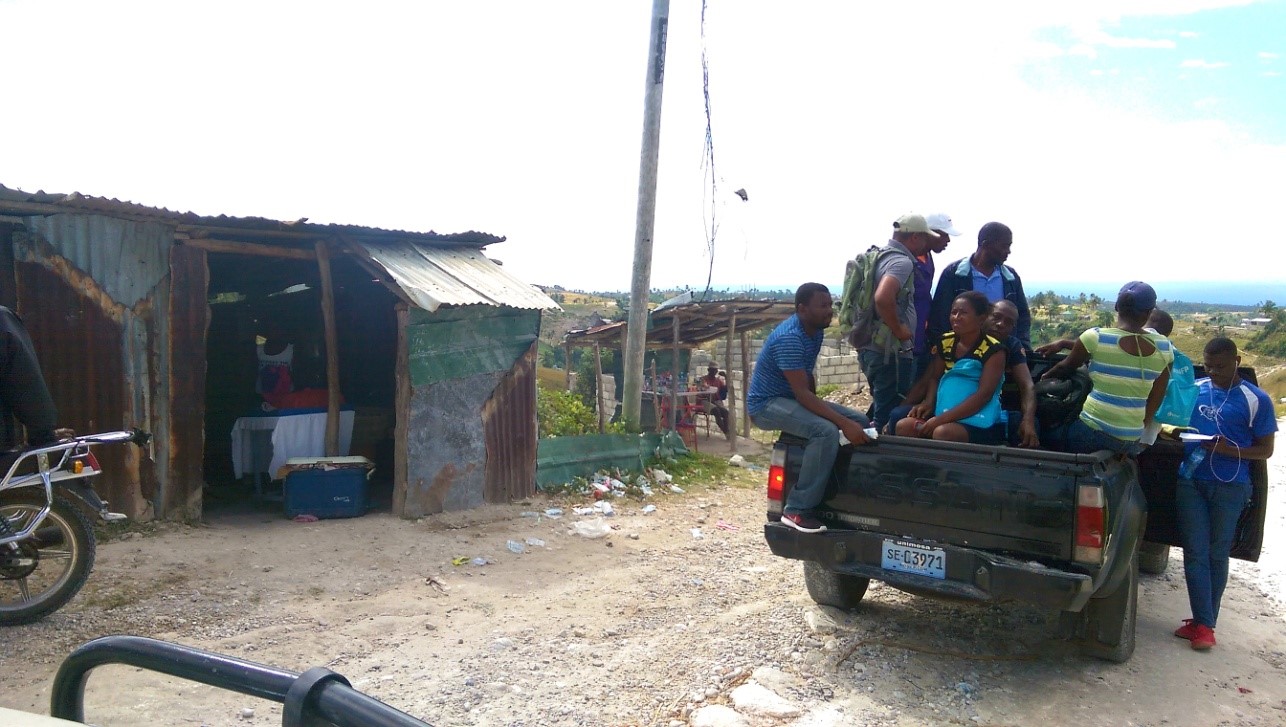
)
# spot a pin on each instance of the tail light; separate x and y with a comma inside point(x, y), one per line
point(1091, 514)
point(777, 475)
point(776, 478)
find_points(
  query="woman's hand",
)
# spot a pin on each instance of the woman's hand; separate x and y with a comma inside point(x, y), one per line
point(920, 411)
point(926, 429)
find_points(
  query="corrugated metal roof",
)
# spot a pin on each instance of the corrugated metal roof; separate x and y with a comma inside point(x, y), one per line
point(698, 322)
point(18, 202)
point(437, 276)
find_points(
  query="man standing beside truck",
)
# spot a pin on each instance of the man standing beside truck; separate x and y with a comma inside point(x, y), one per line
point(783, 395)
point(1214, 482)
point(886, 359)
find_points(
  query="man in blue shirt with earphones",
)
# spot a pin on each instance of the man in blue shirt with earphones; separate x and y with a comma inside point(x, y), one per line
point(1214, 482)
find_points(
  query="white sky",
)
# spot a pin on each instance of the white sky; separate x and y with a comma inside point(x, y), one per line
point(524, 119)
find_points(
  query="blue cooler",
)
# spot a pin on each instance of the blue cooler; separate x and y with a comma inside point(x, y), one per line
point(327, 487)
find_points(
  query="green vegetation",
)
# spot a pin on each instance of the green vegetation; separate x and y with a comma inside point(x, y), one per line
point(563, 414)
point(826, 389)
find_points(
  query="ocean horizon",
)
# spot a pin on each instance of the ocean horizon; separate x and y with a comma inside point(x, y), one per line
point(1214, 292)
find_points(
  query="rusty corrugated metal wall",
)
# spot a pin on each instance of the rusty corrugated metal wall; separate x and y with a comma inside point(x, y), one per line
point(509, 419)
point(94, 292)
point(470, 421)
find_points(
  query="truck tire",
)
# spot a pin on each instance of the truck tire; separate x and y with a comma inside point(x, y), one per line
point(1154, 558)
point(1109, 622)
point(833, 589)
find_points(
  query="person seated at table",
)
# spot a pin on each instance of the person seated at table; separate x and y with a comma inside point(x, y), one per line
point(962, 393)
point(715, 389)
point(296, 383)
point(276, 356)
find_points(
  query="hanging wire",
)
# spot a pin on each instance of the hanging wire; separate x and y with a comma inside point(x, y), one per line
point(710, 214)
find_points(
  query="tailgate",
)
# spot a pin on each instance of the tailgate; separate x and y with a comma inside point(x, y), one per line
point(995, 498)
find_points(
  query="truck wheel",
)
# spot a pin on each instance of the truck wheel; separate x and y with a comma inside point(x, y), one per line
point(834, 589)
point(1109, 622)
point(1154, 558)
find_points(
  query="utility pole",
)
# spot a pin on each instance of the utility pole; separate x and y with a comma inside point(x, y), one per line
point(636, 330)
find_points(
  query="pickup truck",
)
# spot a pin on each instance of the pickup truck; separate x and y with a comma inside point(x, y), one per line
point(1068, 532)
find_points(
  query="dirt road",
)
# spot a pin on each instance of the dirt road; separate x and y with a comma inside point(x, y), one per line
point(648, 626)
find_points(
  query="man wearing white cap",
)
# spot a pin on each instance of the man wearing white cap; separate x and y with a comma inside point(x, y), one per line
point(886, 359)
point(939, 222)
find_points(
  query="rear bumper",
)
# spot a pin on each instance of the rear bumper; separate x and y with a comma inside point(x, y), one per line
point(971, 574)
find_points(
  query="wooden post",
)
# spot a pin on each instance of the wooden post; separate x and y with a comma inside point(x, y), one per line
point(598, 386)
point(402, 409)
point(732, 391)
point(645, 217)
point(332, 350)
point(674, 374)
point(745, 380)
point(567, 364)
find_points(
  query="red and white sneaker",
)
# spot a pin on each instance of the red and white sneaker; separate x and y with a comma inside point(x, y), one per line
point(803, 523)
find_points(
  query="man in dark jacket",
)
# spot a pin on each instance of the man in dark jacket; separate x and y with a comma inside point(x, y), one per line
point(24, 398)
point(986, 272)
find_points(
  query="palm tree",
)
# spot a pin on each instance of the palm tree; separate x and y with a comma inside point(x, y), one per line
point(1267, 309)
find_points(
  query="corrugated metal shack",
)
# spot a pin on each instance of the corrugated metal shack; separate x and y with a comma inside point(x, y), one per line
point(144, 317)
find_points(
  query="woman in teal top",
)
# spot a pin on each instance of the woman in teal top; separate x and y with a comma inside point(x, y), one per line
point(962, 403)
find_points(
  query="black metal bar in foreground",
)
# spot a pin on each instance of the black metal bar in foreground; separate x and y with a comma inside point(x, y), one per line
point(318, 694)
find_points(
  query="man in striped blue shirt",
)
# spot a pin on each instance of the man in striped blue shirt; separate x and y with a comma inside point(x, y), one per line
point(783, 395)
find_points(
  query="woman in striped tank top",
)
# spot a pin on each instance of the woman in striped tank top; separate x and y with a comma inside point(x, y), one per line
point(1130, 368)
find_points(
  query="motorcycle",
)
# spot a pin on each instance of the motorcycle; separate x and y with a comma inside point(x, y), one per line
point(46, 539)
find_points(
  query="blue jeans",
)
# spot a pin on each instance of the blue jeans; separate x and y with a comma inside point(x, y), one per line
point(1080, 438)
point(919, 364)
point(790, 416)
point(1208, 513)
point(889, 377)
point(899, 413)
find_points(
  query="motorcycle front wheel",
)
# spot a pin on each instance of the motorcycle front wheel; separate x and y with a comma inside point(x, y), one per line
point(46, 570)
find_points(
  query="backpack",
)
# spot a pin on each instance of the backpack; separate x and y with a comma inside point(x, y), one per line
point(857, 317)
point(1059, 401)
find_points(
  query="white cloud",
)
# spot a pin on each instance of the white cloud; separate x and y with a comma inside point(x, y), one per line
point(1267, 56)
point(1188, 34)
point(1112, 41)
point(1205, 104)
point(436, 116)
point(1271, 74)
point(1202, 63)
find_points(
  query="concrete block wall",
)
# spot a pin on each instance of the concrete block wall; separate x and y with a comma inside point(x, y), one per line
point(836, 365)
point(607, 395)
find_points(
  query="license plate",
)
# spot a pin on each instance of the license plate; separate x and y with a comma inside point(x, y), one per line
point(905, 557)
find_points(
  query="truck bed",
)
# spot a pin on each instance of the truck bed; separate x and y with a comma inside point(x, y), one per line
point(1006, 500)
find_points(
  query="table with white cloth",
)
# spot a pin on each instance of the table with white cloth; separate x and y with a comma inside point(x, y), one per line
point(262, 443)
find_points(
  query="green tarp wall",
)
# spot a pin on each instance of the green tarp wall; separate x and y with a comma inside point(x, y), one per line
point(561, 459)
point(455, 343)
